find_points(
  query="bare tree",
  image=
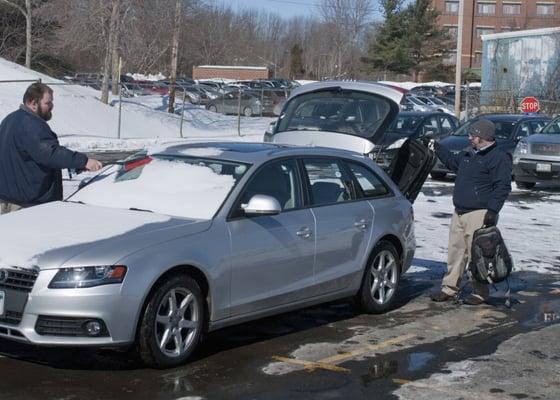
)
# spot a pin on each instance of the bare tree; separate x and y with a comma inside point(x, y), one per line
point(346, 20)
point(26, 11)
point(115, 5)
point(174, 51)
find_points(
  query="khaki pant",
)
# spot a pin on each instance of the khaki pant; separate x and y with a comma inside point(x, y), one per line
point(461, 233)
point(6, 207)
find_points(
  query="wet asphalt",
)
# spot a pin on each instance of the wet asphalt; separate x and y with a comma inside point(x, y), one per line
point(419, 350)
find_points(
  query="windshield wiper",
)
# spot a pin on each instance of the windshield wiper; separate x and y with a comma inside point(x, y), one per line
point(140, 209)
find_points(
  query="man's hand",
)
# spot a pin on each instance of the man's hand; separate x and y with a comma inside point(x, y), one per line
point(93, 165)
point(490, 218)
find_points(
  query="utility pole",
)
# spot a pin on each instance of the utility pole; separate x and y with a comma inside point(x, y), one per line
point(459, 59)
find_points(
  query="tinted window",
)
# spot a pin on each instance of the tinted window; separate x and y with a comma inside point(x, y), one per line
point(328, 184)
point(341, 111)
point(429, 125)
point(277, 180)
point(553, 127)
point(537, 126)
point(524, 130)
point(370, 183)
point(446, 125)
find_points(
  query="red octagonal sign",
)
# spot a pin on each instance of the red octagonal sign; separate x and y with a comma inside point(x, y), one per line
point(529, 105)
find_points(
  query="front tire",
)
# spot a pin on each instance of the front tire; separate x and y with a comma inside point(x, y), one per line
point(172, 323)
point(525, 185)
point(381, 280)
point(439, 176)
point(248, 112)
point(212, 108)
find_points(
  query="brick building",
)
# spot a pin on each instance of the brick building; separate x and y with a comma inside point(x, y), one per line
point(482, 17)
point(230, 72)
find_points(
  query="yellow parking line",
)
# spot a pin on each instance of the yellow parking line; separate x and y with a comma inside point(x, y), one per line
point(329, 362)
point(366, 349)
point(311, 366)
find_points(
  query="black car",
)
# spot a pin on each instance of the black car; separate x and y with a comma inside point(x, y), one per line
point(510, 128)
point(412, 125)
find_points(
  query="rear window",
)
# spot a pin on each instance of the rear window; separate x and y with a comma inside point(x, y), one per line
point(341, 111)
point(370, 183)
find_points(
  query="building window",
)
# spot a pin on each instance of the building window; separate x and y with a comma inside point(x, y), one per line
point(484, 31)
point(545, 9)
point(449, 58)
point(452, 31)
point(478, 57)
point(511, 9)
point(452, 7)
point(486, 8)
point(508, 28)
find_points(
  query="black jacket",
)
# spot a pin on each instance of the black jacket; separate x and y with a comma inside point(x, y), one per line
point(31, 160)
point(483, 178)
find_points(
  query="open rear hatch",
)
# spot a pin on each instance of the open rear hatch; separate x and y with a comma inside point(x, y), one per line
point(410, 168)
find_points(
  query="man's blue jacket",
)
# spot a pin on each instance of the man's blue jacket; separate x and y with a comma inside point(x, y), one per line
point(483, 178)
point(31, 160)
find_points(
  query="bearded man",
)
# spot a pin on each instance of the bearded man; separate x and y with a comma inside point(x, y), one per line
point(31, 158)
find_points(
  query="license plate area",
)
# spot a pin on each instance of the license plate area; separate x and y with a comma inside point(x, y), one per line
point(12, 302)
point(543, 167)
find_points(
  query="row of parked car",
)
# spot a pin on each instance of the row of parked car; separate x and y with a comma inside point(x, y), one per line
point(533, 141)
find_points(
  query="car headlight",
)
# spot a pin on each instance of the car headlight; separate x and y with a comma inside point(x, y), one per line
point(522, 147)
point(397, 145)
point(83, 277)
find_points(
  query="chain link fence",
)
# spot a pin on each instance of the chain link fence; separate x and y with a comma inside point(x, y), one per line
point(475, 102)
point(238, 101)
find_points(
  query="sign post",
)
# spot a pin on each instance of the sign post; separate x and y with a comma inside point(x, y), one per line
point(529, 104)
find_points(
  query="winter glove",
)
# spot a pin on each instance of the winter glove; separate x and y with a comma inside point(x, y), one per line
point(490, 218)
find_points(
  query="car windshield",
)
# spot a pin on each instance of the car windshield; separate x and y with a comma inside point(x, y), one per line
point(342, 111)
point(553, 128)
point(404, 123)
point(188, 187)
point(504, 129)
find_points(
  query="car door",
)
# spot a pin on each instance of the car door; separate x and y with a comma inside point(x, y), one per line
point(272, 256)
point(429, 127)
point(343, 224)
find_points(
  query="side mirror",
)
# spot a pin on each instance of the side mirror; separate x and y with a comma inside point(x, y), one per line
point(261, 204)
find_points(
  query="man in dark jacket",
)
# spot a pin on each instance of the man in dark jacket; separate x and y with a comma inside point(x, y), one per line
point(31, 159)
point(482, 185)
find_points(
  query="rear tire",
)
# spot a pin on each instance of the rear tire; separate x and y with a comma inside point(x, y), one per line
point(438, 176)
point(381, 279)
point(172, 323)
point(212, 108)
point(525, 185)
point(248, 112)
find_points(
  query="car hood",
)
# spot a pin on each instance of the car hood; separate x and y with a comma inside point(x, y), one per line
point(346, 141)
point(544, 138)
point(70, 234)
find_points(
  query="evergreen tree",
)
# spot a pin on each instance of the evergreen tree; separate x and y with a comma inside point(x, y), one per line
point(426, 41)
point(296, 62)
point(388, 51)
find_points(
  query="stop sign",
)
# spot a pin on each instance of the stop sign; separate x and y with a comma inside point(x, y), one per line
point(529, 104)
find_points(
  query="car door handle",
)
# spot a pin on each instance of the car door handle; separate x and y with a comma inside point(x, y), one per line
point(362, 224)
point(304, 233)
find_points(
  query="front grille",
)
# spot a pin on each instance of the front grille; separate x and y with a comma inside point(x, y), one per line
point(65, 326)
point(16, 279)
point(546, 149)
point(11, 317)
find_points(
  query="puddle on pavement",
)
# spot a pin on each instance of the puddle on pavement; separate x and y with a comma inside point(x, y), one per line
point(417, 361)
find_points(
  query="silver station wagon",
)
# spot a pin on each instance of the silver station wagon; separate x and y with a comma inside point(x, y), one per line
point(195, 237)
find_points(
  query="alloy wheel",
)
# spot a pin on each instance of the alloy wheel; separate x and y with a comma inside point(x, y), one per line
point(384, 276)
point(177, 322)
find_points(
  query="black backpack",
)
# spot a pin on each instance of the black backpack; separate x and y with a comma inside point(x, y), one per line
point(490, 259)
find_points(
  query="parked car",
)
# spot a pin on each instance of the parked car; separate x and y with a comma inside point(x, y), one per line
point(437, 104)
point(412, 103)
point(537, 157)
point(412, 125)
point(510, 129)
point(229, 103)
point(197, 237)
point(352, 116)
